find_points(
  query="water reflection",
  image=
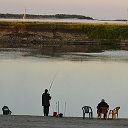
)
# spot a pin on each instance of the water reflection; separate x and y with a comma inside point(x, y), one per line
point(103, 56)
point(23, 78)
point(65, 20)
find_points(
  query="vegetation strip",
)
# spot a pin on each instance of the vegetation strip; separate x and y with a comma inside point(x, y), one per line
point(92, 30)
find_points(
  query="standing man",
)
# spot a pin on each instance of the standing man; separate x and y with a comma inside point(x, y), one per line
point(45, 102)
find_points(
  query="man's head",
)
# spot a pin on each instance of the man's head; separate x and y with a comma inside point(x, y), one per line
point(46, 90)
point(102, 100)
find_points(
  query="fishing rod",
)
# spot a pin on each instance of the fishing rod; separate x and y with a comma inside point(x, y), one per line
point(52, 82)
point(64, 108)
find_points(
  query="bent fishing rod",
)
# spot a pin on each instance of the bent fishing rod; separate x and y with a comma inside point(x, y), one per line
point(52, 82)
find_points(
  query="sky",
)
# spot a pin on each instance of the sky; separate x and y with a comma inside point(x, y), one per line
point(98, 9)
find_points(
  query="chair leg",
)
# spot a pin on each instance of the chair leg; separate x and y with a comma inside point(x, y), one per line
point(100, 116)
point(107, 115)
point(113, 116)
point(91, 115)
point(83, 115)
point(117, 115)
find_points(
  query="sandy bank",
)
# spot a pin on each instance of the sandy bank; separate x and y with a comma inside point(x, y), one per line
point(53, 122)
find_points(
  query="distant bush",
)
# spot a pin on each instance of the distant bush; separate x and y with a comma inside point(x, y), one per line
point(30, 16)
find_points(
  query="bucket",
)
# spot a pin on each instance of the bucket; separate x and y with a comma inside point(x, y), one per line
point(54, 114)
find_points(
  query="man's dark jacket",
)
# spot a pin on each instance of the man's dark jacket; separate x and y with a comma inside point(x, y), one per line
point(45, 99)
point(102, 104)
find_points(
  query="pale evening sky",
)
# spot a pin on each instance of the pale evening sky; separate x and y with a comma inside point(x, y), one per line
point(99, 9)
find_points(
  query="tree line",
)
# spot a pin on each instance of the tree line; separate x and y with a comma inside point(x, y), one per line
point(31, 16)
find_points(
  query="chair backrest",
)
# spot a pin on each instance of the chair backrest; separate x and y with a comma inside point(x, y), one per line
point(115, 110)
point(87, 109)
point(103, 110)
point(5, 108)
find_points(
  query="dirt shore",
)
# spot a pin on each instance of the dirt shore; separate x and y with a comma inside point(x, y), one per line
point(16, 121)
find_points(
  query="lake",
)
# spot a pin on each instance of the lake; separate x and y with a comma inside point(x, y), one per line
point(65, 20)
point(79, 79)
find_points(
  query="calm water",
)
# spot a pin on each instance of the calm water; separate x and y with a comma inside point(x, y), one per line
point(65, 20)
point(81, 79)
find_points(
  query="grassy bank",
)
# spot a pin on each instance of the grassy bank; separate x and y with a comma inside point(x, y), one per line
point(91, 30)
point(63, 37)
